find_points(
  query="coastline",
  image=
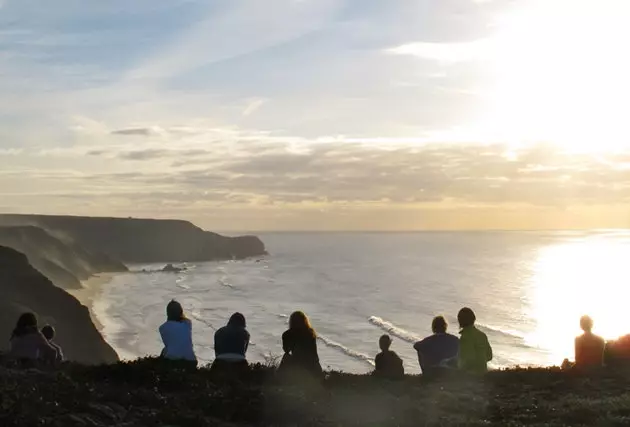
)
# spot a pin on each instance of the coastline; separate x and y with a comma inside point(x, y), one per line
point(90, 292)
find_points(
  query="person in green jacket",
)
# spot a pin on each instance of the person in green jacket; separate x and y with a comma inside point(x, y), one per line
point(474, 349)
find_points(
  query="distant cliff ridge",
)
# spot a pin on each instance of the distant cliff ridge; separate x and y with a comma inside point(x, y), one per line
point(64, 262)
point(23, 288)
point(134, 240)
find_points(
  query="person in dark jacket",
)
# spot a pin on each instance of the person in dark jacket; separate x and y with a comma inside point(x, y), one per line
point(438, 351)
point(299, 343)
point(230, 345)
point(387, 363)
point(28, 345)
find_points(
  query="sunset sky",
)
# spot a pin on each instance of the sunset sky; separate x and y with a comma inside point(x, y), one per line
point(319, 114)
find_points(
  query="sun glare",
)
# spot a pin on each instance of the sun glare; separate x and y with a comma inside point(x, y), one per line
point(588, 276)
point(559, 73)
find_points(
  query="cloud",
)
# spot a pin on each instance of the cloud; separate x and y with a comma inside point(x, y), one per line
point(446, 52)
point(134, 132)
point(253, 105)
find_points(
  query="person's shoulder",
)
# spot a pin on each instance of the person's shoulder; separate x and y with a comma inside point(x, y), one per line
point(451, 337)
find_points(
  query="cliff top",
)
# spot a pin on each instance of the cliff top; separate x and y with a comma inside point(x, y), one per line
point(148, 392)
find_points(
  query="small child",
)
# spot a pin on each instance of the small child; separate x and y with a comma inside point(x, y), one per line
point(49, 333)
point(388, 363)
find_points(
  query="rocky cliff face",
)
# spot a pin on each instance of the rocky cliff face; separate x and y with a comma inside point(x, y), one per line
point(144, 240)
point(64, 262)
point(23, 288)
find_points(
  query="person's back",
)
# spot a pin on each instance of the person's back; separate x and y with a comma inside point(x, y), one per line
point(231, 341)
point(176, 334)
point(474, 348)
point(589, 348)
point(299, 343)
point(438, 350)
point(387, 363)
point(49, 333)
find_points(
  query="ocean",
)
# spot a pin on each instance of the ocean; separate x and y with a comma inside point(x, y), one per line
point(528, 290)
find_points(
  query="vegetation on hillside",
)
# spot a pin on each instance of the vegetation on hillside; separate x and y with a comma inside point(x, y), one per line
point(154, 393)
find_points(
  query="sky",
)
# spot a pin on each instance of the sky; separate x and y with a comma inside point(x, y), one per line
point(247, 115)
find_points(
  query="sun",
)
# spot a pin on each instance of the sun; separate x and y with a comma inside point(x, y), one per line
point(559, 71)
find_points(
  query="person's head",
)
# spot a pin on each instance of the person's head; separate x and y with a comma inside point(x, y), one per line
point(439, 325)
point(174, 311)
point(48, 332)
point(466, 317)
point(299, 321)
point(385, 342)
point(237, 319)
point(26, 323)
point(586, 323)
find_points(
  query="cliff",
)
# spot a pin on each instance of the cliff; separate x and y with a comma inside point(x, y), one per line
point(134, 240)
point(23, 288)
point(151, 393)
point(64, 262)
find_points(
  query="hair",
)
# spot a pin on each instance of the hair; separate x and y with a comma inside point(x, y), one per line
point(586, 323)
point(439, 325)
point(299, 321)
point(466, 317)
point(27, 322)
point(237, 319)
point(48, 332)
point(174, 311)
point(385, 342)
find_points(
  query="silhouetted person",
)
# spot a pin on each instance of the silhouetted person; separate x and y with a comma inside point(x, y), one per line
point(176, 334)
point(28, 344)
point(438, 351)
point(230, 345)
point(49, 333)
point(387, 363)
point(474, 349)
point(589, 348)
point(299, 343)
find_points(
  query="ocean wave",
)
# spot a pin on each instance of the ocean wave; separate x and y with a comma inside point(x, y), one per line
point(394, 330)
point(347, 351)
point(510, 333)
point(198, 317)
point(224, 282)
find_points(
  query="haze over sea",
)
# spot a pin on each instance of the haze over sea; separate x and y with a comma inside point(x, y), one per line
point(527, 288)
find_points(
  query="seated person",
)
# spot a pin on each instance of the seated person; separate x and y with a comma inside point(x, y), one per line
point(28, 344)
point(230, 343)
point(49, 333)
point(589, 348)
point(176, 335)
point(438, 351)
point(387, 363)
point(299, 343)
point(474, 348)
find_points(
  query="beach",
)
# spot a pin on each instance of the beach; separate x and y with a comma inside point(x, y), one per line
point(90, 292)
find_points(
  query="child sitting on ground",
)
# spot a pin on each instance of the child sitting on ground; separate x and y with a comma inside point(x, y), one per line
point(49, 333)
point(387, 363)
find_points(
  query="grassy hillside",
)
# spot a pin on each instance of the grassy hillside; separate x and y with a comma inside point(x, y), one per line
point(150, 393)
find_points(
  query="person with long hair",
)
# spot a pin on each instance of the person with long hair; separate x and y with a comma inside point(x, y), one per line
point(176, 334)
point(230, 345)
point(27, 342)
point(299, 343)
point(474, 348)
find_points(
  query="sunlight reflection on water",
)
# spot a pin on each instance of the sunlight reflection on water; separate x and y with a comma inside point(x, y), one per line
point(586, 276)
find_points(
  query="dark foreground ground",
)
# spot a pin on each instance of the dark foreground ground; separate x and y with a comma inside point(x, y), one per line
point(148, 393)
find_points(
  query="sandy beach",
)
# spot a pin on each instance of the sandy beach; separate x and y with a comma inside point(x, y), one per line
point(89, 294)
